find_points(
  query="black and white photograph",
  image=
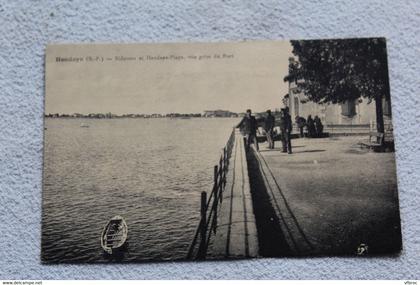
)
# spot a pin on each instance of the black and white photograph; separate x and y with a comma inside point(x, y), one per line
point(210, 151)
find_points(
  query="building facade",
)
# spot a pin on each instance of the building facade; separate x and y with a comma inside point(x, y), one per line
point(358, 112)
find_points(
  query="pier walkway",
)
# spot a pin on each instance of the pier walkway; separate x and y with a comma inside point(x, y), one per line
point(227, 227)
point(330, 197)
point(236, 234)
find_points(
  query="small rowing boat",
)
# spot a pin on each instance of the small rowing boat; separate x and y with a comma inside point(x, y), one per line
point(114, 235)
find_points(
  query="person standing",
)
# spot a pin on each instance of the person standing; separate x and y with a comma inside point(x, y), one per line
point(269, 128)
point(286, 130)
point(319, 128)
point(310, 125)
point(248, 126)
point(301, 123)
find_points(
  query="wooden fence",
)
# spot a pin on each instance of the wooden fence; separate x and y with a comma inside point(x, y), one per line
point(209, 206)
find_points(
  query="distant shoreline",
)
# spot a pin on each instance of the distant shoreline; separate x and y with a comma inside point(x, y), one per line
point(109, 115)
point(119, 117)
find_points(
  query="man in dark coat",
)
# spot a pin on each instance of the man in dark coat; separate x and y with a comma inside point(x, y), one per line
point(319, 127)
point(301, 123)
point(248, 126)
point(269, 129)
point(286, 129)
point(310, 125)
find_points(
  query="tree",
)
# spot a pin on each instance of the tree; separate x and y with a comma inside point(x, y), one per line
point(337, 71)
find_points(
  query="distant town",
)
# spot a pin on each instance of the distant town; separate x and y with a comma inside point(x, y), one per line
point(109, 115)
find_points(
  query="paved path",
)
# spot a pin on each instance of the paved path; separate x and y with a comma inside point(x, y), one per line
point(329, 197)
point(236, 235)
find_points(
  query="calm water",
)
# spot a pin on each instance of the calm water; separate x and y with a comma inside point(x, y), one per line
point(150, 171)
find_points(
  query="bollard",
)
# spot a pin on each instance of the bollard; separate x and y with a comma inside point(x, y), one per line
point(203, 226)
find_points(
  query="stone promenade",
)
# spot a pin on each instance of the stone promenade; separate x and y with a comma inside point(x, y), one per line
point(328, 197)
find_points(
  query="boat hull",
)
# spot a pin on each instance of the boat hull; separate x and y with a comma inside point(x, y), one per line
point(114, 235)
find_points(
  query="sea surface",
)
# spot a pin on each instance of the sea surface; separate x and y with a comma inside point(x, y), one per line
point(150, 171)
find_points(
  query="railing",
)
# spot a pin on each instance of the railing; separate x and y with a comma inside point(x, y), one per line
point(209, 207)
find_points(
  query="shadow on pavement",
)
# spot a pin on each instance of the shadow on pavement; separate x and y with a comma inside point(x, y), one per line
point(270, 236)
point(313, 150)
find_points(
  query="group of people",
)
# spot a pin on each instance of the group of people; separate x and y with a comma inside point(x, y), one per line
point(249, 128)
point(314, 127)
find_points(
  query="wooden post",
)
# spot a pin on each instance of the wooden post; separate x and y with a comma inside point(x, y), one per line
point(203, 226)
point(221, 174)
point(216, 199)
point(215, 176)
point(225, 165)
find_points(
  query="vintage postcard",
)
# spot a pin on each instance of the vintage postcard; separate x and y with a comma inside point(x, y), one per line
point(197, 151)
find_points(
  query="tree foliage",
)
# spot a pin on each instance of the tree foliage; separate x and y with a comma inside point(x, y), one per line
point(339, 70)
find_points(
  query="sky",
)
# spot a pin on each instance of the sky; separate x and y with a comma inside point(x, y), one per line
point(191, 77)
